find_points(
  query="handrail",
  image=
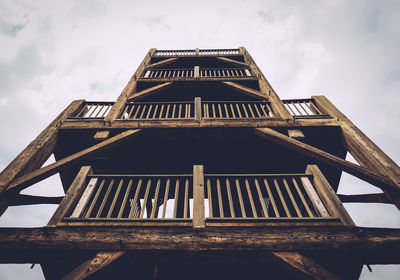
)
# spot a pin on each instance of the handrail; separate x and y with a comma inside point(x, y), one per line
point(202, 52)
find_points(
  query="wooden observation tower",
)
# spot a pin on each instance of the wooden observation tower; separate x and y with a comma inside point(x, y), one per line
point(200, 171)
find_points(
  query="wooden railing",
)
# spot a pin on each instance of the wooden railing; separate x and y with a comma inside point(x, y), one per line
point(158, 111)
point(303, 108)
point(191, 73)
point(262, 196)
point(200, 199)
point(236, 110)
point(135, 197)
point(94, 110)
point(199, 52)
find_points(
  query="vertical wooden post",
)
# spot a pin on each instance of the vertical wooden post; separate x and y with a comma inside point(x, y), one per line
point(129, 89)
point(197, 108)
point(276, 103)
point(198, 197)
point(328, 196)
point(36, 153)
point(73, 194)
point(197, 72)
point(365, 152)
point(197, 51)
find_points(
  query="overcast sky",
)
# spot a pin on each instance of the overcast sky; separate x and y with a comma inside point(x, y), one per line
point(53, 52)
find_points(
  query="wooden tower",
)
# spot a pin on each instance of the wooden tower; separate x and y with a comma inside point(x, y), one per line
point(200, 171)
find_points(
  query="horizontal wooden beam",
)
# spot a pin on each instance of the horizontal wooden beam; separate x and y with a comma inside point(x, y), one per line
point(364, 198)
point(162, 63)
point(24, 199)
point(51, 169)
point(148, 91)
point(246, 90)
point(329, 159)
point(372, 245)
point(232, 61)
point(134, 124)
point(91, 266)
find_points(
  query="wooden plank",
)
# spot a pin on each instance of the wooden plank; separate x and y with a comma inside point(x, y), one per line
point(36, 153)
point(363, 149)
point(127, 192)
point(196, 72)
point(73, 194)
point(328, 195)
point(296, 134)
point(197, 108)
point(210, 200)
point(148, 91)
point(312, 194)
point(96, 196)
point(51, 169)
point(198, 197)
point(239, 192)
point(166, 196)
point(303, 266)
point(246, 90)
point(271, 197)
point(364, 198)
point(220, 204)
point(101, 135)
point(331, 160)
point(91, 266)
point(299, 192)
point(116, 194)
point(84, 198)
point(128, 90)
point(249, 194)
point(229, 192)
point(373, 244)
point(231, 61)
point(261, 198)
point(162, 63)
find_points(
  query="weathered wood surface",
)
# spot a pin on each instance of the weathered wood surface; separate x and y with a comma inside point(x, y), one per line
point(101, 135)
point(232, 61)
point(296, 134)
point(148, 91)
point(246, 90)
point(101, 260)
point(198, 197)
point(36, 153)
point(266, 88)
point(303, 266)
point(133, 124)
point(365, 198)
point(51, 169)
point(162, 63)
point(374, 245)
point(73, 194)
point(129, 89)
point(328, 195)
point(329, 159)
point(365, 151)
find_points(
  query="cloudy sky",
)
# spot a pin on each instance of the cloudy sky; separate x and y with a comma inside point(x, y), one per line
point(53, 52)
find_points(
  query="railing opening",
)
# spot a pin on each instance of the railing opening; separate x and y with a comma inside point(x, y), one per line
point(303, 108)
point(136, 197)
point(261, 196)
point(158, 111)
point(94, 110)
point(236, 110)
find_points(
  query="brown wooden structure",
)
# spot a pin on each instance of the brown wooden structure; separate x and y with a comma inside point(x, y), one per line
point(199, 170)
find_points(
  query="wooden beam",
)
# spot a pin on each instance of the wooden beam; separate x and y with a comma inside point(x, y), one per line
point(51, 169)
point(232, 61)
point(265, 87)
point(91, 266)
point(363, 149)
point(199, 220)
point(303, 266)
point(129, 89)
point(365, 198)
point(296, 134)
point(331, 160)
point(24, 199)
point(246, 90)
point(374, 245)
point(101, 135)
point(162, 63)
point(148, 91)
point(36, 153)
point(73, 194)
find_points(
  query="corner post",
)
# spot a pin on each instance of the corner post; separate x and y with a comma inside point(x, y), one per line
point(198, 197)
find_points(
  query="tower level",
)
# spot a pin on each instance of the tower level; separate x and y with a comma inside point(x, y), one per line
point(200, 171)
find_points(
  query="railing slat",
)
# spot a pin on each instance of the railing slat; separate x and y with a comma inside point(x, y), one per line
point(244, 215)
point(127, 192)
point(166, 195)
point(278, 189)
point(220, 204)
point(228, 189)
point(271, 197)
point(253, 208)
